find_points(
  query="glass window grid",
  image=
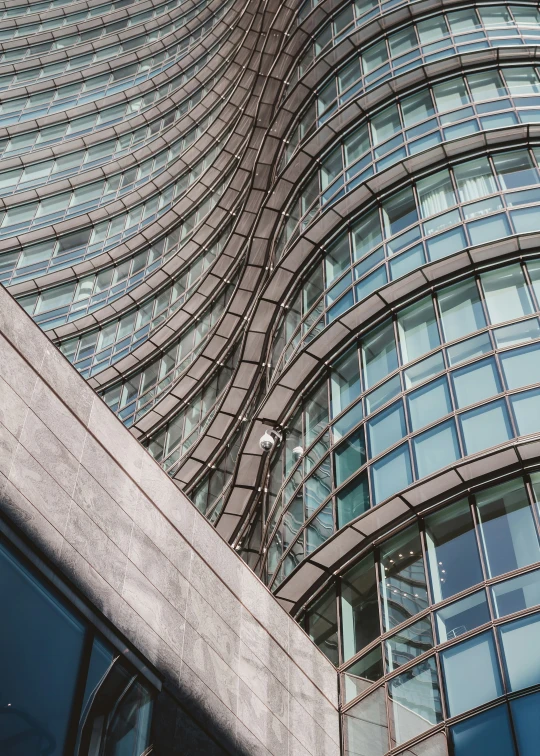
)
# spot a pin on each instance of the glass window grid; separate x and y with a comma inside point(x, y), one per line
point(132, 398)
point(17, 110)
point(126, 333)
point(12, 54)
point(38, 138)
point(169, 444)
point(485, 583)
point(109, 233)
point(381, 257)
point(210, 494)
point(32, 9)
point(478, 37)
point(294, 480)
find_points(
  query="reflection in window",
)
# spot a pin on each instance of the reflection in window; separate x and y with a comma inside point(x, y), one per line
point(507, 529)
point(526, 723)
point(386, 429)
point(403, 580)
point(471, 673)
point(429, 403)
point(418, 331)
point(359, 607)
point(408, 644)
point(516, 594)
point(349, 456)
point(379, 353)
point(362, 673)
point(454, 563)
point(519, 640)
point(486, 734)
point(345, 382)
point(461, 310)
point(485, 426)
point(321, 625)
point(436, 448)
point(462, 616)
point(415, 701)
point(391, 473)
point(366, 727)
point(506, 293)
point(476, 382)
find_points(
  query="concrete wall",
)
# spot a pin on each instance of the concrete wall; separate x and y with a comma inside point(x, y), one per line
point(75, 482)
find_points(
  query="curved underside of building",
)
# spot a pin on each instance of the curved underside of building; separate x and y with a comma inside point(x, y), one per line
point(320, 220)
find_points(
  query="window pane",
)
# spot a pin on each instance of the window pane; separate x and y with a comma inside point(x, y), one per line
point(474, 179)
point(408, 644)
point(486, 734)
point(486, 85)
point(316, 413)
point(345, 381)
point(403, 580)
point(454, 562)
point(362, 673)
point(436, 448)
point(366, 235)
point(359, 607)
point(399, 212)
point(461, 310)
point(476, 382)
point(379, 353)
point(521, 366)
point(417, 107)
point(391, 473)
point(321, 625)
point(349, 456)
point(519, 640)
point(508, 533)
point(435, 193)
point(386, 429)
point(485, 427)
point(366, 728)
point(527, 723)
point(429, 403)
point(471, 673)
point(522, 592)
point(526, 408)
point(417, 329)
point(42, 644)
point(462, 616)
point(415, 701)
point(515, 169)
point(385, 124)
point(450, 94)
point(353, 500)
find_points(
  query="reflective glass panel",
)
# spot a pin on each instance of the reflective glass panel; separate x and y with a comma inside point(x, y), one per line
point(436, 448)
point(506, 293)
point(403, 579)
point(415, 701)
point(471, 673)
point(516, 594)
point(386, 428)
point(486, 734)
point(453, 559)
point(366, 726)
point(526, 723)
point(349, 456)
point(379, 353)
point(391, 473)
point(362, 673)
point(461, 310)
point(321, 625)
point(521, 650)
point(462, 616)
point(507, 529)
point(485, 426)
point(359, 607)
point(418, 331)
point(408, 644)
point(476, 382)
point(429, 403)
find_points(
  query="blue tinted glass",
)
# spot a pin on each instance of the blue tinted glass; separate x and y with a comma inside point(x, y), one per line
point(41, 644)
point(522, 592)
point(526, 408)
point(429, 403)
point(462, 616)
point(521, 650)
point(379, 396)
point(415, 700)
point(349, 456)
point(486, 734)
point(461, 309)
point(436, 448)
point(391, 473)
point(527, 723)
point(488, 229)
point(471, 673)
point(476, 382)
point(520, 366)
point(485, 427)
point(379, 354)
point(417, 328)
point(386, 428)
point(352, 500)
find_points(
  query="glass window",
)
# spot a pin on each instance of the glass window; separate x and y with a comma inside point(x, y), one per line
point(402, 41)
point(352, 500)
point(476, 382)
point(463, 20)
point(436, 448)
point(515, 169)
point(399, 212)
point(391, 473)
point(485, 426)
point(519, 640)
point(421, 371)
point(462, 616)
point(471, 673)
point(526, 723)
point(417, 108)
point(321, 625)
point(331, 167)
point(486, 85)
point(461, 309)
point(517, 333)
point(385, 124)
point(451, 94)
point(507, 295)
point(349, 456)
point(316, 413)
point(403, 580)
point(417, 327)
point(356, 144)
point(435, 193)
point(337, 259)
point(467, 350)
point(359, 607)
point(366, 727)
point(429, 403)
point(415, 701)
point(379, 353)
point(486, 734)
point(516, 594)
point(521, 81)
point(526, 407)
point(452, 551)
point(386, 429)
point(508, 533)
point(409, 643)
point(366, 235)
point(474, 179)
point(363, 673)
point(432, 29)
point(374, 56)
point(42, 644)
point(345, 381)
